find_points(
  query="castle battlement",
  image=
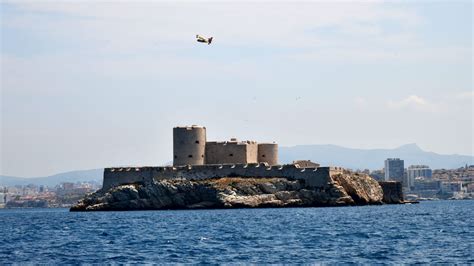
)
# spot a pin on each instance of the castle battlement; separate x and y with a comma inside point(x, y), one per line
point(190, 147)
point(316, 177)
point(195, 158)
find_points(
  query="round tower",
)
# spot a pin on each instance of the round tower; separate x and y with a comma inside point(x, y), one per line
point(189, 145)
point(268, 152)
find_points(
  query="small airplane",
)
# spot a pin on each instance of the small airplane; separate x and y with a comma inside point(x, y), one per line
point(204, 39)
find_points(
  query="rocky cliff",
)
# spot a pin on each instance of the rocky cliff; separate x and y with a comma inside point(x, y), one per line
point(234, 192)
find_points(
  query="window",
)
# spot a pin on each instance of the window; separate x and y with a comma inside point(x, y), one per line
point(176, 157)
point(202, 156)
point(197, 141)
point(263, 155)
point(190, 156)
point(231, 154)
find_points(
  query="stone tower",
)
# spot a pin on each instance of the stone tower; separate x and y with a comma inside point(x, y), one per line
point(189, 145)
point(268, 152)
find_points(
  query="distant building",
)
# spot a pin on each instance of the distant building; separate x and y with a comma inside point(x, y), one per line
point(378, 175)
point(452, 186)
point(394, 169)
point(421, 184)
point(470, 188)
point(67, 186)
point(415, 171)
point(306, 164)
point(427, 188)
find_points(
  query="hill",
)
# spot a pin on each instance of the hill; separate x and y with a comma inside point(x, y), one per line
point(371, 158)
point(74, 176)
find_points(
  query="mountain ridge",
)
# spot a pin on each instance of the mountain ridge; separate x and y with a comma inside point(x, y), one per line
point(52, 180)
point(354, 158)
point(325, 154)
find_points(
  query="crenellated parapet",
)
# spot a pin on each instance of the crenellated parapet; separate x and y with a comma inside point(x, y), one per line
point(315, 177)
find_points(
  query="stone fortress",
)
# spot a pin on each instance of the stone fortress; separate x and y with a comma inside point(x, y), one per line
point(233, 174)
point(195, 158)
point(191, 148)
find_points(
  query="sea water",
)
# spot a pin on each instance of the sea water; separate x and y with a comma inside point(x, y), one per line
point(429, 232)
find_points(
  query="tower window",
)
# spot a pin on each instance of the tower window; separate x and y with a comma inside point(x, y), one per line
point(231, 154)
point(190, 156)
point(263, 155)
point(202, 156)
point(197, 141)
point(176, 157)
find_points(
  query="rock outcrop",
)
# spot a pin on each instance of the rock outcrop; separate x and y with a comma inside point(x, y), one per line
point(234, 192)
point(392, 192)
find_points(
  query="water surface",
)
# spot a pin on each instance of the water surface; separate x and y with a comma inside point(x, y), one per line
point(430, 232)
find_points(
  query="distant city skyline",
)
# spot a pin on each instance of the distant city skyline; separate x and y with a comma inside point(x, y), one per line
point(88, 85)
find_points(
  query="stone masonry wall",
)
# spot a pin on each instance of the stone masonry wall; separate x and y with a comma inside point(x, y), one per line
point(314, 177)
point(189, 145)
point(268, 152)
point(231, 152)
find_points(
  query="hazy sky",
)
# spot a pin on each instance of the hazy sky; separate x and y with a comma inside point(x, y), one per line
point(89, 85)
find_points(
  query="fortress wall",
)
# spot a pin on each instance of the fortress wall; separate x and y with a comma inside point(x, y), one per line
point(125, 175)
point(314, 177)
point(392, 192)
point(268, 152)
point(228, 152)
point(252, 152)
point(189, 145)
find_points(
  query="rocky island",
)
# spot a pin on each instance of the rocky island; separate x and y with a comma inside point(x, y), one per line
point(237, 192)
point(233, 174)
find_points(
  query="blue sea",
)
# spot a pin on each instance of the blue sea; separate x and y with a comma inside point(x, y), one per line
point(429, 232)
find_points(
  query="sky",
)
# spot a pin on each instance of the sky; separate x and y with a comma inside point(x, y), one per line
point(93, 84)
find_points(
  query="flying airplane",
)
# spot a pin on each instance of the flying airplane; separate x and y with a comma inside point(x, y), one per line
point(204, 39)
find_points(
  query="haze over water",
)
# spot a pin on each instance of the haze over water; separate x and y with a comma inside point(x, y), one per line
point(430, 232)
